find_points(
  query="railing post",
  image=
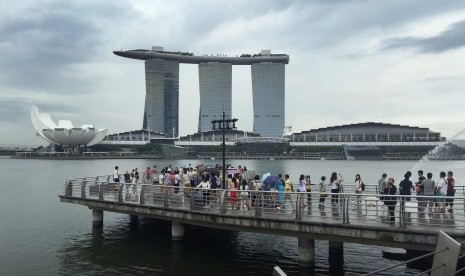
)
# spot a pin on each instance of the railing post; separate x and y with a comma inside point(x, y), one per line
point(222, 203)
point(83, 189)
point(343, 205)
point(401, 214)
point(165, 196)
point(142, 195)
point(69, 188)
point(298, 215)
point(100, 191)
point(258, 203)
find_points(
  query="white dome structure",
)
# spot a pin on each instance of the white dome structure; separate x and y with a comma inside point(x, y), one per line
point(65, 133)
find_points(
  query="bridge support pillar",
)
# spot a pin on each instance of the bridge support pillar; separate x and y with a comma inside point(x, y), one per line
point(97, 217)
point(133, 218)
point(306, 252)
point(177, 231)
point(335, 245)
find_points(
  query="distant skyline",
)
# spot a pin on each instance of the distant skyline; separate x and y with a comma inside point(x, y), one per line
point(399, 62)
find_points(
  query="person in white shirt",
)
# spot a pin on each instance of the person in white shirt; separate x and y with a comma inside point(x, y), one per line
point(205, 184)
point(442, 191)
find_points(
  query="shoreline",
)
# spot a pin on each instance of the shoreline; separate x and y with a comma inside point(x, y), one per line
point(158, 157)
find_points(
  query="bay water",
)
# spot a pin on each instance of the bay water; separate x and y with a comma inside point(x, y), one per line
point(39, 235)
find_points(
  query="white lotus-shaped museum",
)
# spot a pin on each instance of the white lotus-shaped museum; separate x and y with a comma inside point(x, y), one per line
point(65, 133)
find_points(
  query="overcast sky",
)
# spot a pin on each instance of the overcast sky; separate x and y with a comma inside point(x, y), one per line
point(399, 62)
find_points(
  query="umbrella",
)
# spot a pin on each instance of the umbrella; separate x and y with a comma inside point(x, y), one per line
point(265, 176)
point(271, 180)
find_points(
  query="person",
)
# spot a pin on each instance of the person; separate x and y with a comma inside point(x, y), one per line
point(127, 177)
point(256, 186)
point(280, 189)
point(450, 191)
point(116, 175)
point(233, 193)
point(176, 180)
point(358, 188)
point(288, 188)
point(205, 185)
point(419, 189)
point(336, 187)
point(442, 191)
point(148, 175)
point(322, 187)
point(302, 189)
point(428, 190)
point(308, 189)
point(155, 175)
point(405, 189)
point(382, 183)
point(390, 199)
point(136, 175)
point(244, 195)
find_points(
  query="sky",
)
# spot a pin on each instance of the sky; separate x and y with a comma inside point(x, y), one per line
point(398, 62)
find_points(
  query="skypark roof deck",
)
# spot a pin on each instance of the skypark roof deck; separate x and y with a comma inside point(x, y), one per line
point(192, 59)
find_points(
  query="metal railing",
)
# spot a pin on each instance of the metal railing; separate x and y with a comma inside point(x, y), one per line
point(347, 208)
point(445, 259)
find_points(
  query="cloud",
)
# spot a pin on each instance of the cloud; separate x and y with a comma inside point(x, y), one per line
point(42, 45)
point(452, 38)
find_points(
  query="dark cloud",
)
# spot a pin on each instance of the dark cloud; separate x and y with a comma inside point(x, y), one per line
point(452, 38)
point(18, 109)
point(41, 44)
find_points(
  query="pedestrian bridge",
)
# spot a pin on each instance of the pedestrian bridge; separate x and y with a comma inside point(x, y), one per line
point(349, 221)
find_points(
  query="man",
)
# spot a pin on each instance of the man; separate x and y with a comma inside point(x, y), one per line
point(428, 190)
point(288, 190)
point(116, 175)
point(382, 184)
point(405, 189)
point(450, 191)
point(420, 190)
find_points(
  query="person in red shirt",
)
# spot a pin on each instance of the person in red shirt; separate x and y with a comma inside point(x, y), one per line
point(450, 191)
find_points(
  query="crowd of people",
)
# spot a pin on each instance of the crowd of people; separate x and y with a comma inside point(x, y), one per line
point(436, 196)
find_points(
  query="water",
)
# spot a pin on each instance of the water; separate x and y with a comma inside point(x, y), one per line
point(41, 236)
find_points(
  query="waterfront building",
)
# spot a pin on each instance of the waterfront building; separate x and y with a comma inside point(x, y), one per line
point(161, 112)
point(65, 134)
point(215, 73)
point(215, 83)
point(268, 98)
point(366, 141)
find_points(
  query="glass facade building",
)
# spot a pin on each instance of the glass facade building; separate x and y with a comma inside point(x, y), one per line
point(215, 84)
point(161, 112)
point(268, 98)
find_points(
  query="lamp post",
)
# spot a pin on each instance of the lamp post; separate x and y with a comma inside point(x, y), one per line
point(224, 124)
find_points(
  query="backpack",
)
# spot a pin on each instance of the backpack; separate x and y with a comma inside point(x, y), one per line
point(363, 186)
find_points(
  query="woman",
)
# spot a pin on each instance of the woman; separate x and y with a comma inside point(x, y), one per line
point(205, 184)
point(322, 187)
point(244, 195)
point(358, 188)
point(233, 193)
point(390, 199)
point(336, 187)
point(302, 189)
point(308, 188)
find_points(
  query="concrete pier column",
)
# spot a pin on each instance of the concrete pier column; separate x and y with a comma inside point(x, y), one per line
point(306, 252)
point(97, 217)
point(133, 218)
point(177, 231)
point(335, 245)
